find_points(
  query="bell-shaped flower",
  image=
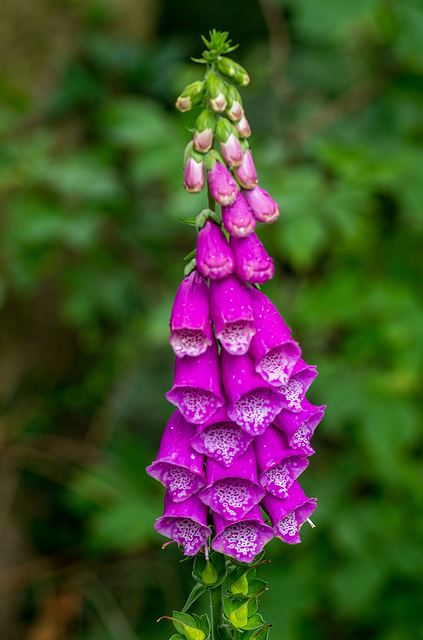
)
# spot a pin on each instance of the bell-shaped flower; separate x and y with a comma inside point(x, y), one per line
point(244, 539)
point(232, 314)
point(253, 264)
point(238, 218)
point(246, 173)
point(272, 347)
point(214, 257)
point(289, 514)
point(196, 387)
point(299, 427)
point(190, 320)
point(222, 185)
point(178, 466)
point(230, 145)
point(221, 439)
point(302, 375)
point(264, 208)
point(185, 523)
point(253, 402)
point(233, 491)
point(279, 465)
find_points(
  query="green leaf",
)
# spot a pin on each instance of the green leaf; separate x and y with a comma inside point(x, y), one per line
point(185, 618)
point(263, 634)
point(177, 636)
point(196, 592)
point(255, 585)
point(203, 623)
point(254, 622)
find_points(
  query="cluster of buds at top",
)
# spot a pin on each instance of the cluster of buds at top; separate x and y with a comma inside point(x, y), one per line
point(240, 435)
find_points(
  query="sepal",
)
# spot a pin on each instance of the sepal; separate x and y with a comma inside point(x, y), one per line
point(203, 568)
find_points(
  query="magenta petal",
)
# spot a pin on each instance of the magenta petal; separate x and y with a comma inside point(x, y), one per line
point(274, 351)
point(253, 402)
point(279, 465)
point(242, 540)
point(262, 205)
point(190, 321)
point(185, 523)
point(289, 514)
point(234, 490)
point(302, 375)
point(214, 256)
point(238, 218)
point(223, 187)
point(232, 314)
point(246, 173)
point(196, 388)
point(178, 466)
point(299, 427)
point(221, 439)
point(253, 264)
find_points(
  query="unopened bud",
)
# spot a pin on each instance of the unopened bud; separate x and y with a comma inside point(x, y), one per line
point(191, 95)
point(216, 92)
point(235, 110)
point(229, 144)
point(243, 127)
point(233, 70)
point(204, 130)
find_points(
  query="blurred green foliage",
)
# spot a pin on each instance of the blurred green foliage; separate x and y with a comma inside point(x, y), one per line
point(91, 255)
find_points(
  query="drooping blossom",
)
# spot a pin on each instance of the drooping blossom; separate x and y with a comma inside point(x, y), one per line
point(289, 514)
point(279, 465)
point(222, 186)
point(196, 390)
point(246, 173)
point(232, 314)
point(302, 375)
point(272, 347)
point(264, 208)
point(233, 491)
point(185, 523)
point(253, 264)
point(299, 427)
point(178, 466)
point(194, 175)
point(238, 218)
point(214, 257)
point(221, 439)
point(230, 145)
point(253, 402)
point(190, 320)
point(244, 539)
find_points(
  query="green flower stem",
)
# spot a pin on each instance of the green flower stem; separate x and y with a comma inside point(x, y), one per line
point(216, 610)
point(210, 200)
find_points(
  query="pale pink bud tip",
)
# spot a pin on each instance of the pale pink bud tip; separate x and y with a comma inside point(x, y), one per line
point(193, 176)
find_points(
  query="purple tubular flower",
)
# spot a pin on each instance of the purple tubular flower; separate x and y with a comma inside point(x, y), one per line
point(299, 427)
point(232, 314)
point(193, 176)
point(289, 514)
point(262, 205)
point(234, 490)
point(238, 218)
point(253, 264)
point(185, 523)
point(302, 375)
point(246, 173)
point(178, 466)
point(231, 151)
point(244, 539)
point(190, 321)
point(214, 256)
point(223, 187)
point(279, 465)
point(253, 403)
point(221, 439)
point(274, 351)
point(196, 387)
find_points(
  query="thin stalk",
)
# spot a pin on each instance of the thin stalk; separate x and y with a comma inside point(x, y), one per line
point(216, 610)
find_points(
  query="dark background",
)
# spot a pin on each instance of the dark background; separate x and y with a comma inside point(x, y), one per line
point(91, 256)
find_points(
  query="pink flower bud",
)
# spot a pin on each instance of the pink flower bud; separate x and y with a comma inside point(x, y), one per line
point(235, 112)
point(246, 173)
point(193, 176)
point(238, 218)
point(203, 140)
point(231, 151)
point(253, 264)
point(214, 256)
point(223, 188)
point(243, 127)
point(262, 205)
